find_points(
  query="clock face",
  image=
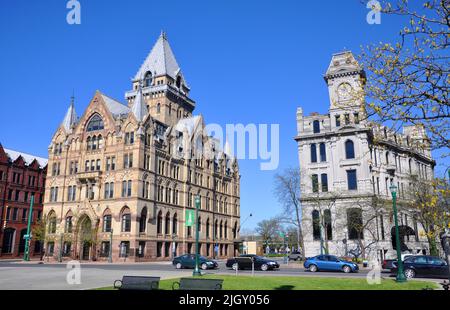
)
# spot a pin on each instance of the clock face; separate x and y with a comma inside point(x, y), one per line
point(344, 91)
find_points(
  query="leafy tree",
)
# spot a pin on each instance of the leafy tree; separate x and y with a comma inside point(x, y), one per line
point(408, 81)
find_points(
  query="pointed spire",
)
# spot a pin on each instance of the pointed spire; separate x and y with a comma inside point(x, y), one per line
point(139, 107)
point(71, 116)
point(160, 60)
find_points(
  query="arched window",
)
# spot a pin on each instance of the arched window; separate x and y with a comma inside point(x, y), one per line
point(313, 153)
point(126, 221)
point(95, 123)
point(349, 149)
point(329, 227)
point(52, 224)
point(387, 158)
point(22, 240)
point(221, 230)
point(143, 220)
point(216, 224)
point(159, 223)
point(167, 224)
point(207, 228)
point(69, 224)
point(226, 230)
point(89, 143)
point(235, 230)
point(175, 224)
point(316, 224)
point(316, 126)
point(178, 82)
point(199, 224)
point(148, 79)
point(410, 166)
point(158, 108)
point(323, 154)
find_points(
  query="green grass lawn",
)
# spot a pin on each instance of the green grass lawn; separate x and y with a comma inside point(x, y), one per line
point(303, 283)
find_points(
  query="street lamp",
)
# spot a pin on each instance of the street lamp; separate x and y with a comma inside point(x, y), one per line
point(197, 206)
point(28, 235)
point(400, 275)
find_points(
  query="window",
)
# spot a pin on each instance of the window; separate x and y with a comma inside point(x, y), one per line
point(105, 248)
point(382, 226)
point(109, 190)
point(313, 153)
point(129, 137)
point(355, 224)
point(323, 154)
point(143, 220)
point(124, 249)
point(347, 119)
point(126, 188)
point(148, 79)
point(98, 166)
point(316, 224)
point(52, 225)
point(349, 149)
point(175, 224)
point(126, 222)
point(158, 108)
point(167, 224)
point(338, 120)
point(316, 126)
point(107, 223)
point(315, 183)
point(71, 193)
point(68, 227)
point(128, 161)
point(324, 181)
point(328, 225)
point(95, 123)
point(159, 224)
point(351, 180)
point(356, 118)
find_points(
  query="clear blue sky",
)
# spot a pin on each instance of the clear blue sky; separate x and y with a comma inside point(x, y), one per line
point(246, 62)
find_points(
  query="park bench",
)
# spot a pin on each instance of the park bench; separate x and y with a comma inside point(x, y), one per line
point(137, 283)
point(198, 284)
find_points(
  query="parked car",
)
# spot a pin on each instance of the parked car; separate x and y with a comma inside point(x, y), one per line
point(423, 266)
point(188, 261)
point(388, 263)
point(329, 263)
point(295, 256)
point(245, 262)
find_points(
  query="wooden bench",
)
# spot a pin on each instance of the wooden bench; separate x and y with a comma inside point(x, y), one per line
point(137, 283)
point(198, 284)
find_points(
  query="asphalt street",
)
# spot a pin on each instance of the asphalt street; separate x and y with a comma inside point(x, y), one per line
point(53, 276)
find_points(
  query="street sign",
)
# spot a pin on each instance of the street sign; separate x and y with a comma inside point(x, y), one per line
point(26, 237)
point(190, 218)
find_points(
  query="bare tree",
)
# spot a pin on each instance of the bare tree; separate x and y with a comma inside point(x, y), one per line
point(287, 190)
point(269, 230)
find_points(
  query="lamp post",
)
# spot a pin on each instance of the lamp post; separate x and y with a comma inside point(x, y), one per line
point(110, 246)
point(28, 235)
point(197, 206)
point(400, 275)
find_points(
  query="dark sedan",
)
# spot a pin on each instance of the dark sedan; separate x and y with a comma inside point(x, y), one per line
point(245, 262)
point(423, 266)
point(188, 261)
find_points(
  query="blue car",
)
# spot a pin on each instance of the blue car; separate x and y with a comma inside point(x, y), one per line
point(329, 263)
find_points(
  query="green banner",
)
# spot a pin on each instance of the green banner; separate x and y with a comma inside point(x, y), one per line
point(190, 218)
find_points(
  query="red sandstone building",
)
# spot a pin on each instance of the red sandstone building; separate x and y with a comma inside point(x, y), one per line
point(21, 176)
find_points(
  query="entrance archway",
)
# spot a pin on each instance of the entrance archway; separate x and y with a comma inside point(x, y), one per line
point(86, 237)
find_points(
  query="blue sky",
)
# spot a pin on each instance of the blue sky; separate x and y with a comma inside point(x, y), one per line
point(246, 62)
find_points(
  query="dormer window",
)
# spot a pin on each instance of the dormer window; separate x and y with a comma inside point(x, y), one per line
point(148, 79)
point(178, 83)
point(95, 123)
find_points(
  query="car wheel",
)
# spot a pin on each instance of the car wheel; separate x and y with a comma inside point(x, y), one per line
point(409, 273)
point(178, 266)
point(264, 267)
point(346, 269)
point(235, 266)
point(204, 266)
point(297, 259)
point(312, 268)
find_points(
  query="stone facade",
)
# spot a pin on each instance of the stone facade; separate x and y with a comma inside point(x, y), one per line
point(128, 173)
point(348, 163)
point(21, 177)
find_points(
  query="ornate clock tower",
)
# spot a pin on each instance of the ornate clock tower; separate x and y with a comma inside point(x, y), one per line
point(345, 80)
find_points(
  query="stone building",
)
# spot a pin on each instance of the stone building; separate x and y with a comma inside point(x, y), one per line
point(21, 177)
point(347, 165)
point(127, 174)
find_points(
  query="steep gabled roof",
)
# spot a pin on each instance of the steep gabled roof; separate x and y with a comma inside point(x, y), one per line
point(341, 63)
point(14, 155)
point(115, 107)
point(160, 61)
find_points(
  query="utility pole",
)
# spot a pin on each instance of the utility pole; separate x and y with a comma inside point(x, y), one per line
point(197, 206)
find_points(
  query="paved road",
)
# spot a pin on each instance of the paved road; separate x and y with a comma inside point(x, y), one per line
point(48, 276)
